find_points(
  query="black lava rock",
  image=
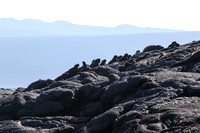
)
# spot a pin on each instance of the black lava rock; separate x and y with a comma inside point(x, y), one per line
point(157, 90)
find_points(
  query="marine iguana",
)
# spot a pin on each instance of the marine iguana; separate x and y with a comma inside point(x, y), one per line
point(103, 63)
point(95, 63)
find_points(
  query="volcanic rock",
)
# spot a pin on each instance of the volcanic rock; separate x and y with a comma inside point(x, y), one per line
point(157, 90)
point(153, 47)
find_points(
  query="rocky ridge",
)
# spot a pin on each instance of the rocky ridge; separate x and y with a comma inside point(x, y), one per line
point(156, 90)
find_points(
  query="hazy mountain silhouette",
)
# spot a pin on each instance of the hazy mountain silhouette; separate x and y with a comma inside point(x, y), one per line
point(31, 27)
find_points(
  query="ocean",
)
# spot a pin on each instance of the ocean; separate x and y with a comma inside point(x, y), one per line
point(27, 59)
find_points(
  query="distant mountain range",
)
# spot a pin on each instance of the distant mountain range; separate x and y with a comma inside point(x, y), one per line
point(31, 27)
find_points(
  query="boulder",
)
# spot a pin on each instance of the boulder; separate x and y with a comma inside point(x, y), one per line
point(173, 45)
point(153, 47)
point(39, 84)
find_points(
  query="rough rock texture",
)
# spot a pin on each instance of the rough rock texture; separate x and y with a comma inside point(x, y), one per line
point(5, 92)
point(157, 90)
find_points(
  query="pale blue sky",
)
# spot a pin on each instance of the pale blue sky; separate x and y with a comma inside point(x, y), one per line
point(172, 14)
point(27, 59)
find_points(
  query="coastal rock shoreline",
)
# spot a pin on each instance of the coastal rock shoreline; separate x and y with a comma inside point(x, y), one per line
point(156, 90)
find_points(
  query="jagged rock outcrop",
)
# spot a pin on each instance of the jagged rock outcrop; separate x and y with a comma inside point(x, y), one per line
point(157, 90)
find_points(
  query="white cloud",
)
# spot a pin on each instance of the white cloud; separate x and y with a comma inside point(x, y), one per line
point(176, 14)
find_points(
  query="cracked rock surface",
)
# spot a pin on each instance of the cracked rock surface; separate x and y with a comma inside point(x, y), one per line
point(154, 91)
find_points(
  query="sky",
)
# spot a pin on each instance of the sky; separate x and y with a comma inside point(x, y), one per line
point(171, 14)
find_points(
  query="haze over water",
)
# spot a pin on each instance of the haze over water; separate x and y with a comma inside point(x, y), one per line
point(26, 59)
